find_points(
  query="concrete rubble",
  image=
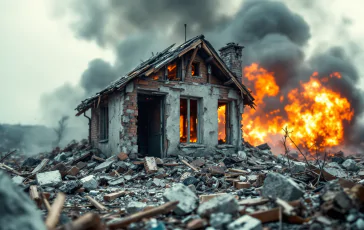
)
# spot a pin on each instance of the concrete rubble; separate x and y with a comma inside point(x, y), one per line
point(247, 189)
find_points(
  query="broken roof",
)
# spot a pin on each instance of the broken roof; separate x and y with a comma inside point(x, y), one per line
point(158, 61)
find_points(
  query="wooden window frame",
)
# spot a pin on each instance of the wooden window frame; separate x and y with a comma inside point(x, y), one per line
point(199, 141)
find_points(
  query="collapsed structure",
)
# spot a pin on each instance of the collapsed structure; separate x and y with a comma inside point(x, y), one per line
point(185, 97)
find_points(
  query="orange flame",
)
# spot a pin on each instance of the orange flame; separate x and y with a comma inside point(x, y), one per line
point(314, 113)
point(221, 119)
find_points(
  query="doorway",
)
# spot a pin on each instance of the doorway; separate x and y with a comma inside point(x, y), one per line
point(151, 125)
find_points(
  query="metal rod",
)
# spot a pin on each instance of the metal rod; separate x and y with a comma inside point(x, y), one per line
point(185, 32)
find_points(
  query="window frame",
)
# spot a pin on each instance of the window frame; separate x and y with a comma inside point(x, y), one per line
point(228, 118)
point(198, 100)
point(104, 123)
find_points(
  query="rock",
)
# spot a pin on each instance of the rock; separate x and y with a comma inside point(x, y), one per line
point(190, 181)
point(71, 187)
point(277, 185)
point(246, 222)
point(31, 162)
point(187, 199)
point(360, 224)
point(135, 206)
point(216, 170)
point(158, 182)
point(220, 220)
point(338, 172)
point(89, 182)
point(61, 157)
point(242, 155)
point(350, 165)
point(17, 210)
point(196, 224)
point(224, 203)
point(263, 146)
point(18, 179)
point(252, 178)
point(361, 174)
point(243, 178)
point(116, 181)
point(51, 178)
point(338, 160)
point(297, 167)
point(104, 166)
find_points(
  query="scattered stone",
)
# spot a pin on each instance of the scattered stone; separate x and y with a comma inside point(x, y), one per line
point(246, 222)
point(80, 165)
point(18, 211)
point(31, 162)
point(264, 146)
point(61, 157)
point(242, 155)
point(51, 178)
point(73, 171)
point(70, 187)
point(224, 203)
point(220, 220)
point(187, 199)
point(198, 163)
point(350, 165)
point(116, 181)
point(18, 179)
point(277, 185)
point(134, 207)
point(158, 182)
point(360, 224)
point(89, 183)
point(298, 167)
point(338, 160)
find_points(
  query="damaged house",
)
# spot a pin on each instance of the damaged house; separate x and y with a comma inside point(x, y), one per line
point(183, 98)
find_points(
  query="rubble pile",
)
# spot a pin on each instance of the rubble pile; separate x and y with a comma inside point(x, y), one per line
point(78, 188)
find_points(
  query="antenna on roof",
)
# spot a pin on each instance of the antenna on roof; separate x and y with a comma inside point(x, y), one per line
point(185, 32)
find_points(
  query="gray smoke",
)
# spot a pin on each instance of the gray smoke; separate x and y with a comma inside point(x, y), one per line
point(273, 34)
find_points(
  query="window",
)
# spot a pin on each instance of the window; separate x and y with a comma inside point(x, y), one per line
point(188, 121)
point(195, 69)
point(104, 123)
point(172, 71)
point(223, 122)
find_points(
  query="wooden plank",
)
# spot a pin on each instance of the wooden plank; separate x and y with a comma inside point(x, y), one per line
point(55, 212)
point(89, 221)
point(192, 59)
point(41, 166)
point(253, 202)
point(113, 196)
point(190, 166)
point(96, 204)
point(34, 195)
point(163, 209)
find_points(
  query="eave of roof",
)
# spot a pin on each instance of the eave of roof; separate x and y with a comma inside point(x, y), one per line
point(161, 59)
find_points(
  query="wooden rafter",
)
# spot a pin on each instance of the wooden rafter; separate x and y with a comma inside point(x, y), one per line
point(192, 59)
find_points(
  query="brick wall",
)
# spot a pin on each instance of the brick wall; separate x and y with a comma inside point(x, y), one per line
point(94, 126)
point(203, 72)
point(128, 136)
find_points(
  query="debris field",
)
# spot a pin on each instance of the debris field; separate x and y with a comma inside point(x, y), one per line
point(79, 188)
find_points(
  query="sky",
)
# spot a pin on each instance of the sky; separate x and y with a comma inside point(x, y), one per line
point(39, 51)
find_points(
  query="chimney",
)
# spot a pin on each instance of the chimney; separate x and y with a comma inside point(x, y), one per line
point(231, 54)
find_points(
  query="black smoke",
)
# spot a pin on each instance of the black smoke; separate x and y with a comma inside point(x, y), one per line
point(273, 34)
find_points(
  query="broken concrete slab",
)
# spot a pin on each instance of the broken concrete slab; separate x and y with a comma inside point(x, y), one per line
point(277, 185)
point(51, 178)
point(350, 165)
point(224, 203)
point(17, 211)
point(242, 155)
point(135, 206)
point(187, 199)
point(246, 222)
point(104, 166)
point(150, 165)
point(89, 182)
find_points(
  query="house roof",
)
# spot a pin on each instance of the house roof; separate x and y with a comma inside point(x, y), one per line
point(158, 61)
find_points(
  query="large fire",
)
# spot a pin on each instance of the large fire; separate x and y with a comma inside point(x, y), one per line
point(314, 113)
point(221, 119)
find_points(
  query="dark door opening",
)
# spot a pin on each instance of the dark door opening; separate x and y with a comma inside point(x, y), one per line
point(150, 125)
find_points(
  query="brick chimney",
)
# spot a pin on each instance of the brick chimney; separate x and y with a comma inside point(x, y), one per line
point(231, 54)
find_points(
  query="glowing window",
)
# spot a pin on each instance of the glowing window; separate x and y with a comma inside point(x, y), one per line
point(189, 121)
